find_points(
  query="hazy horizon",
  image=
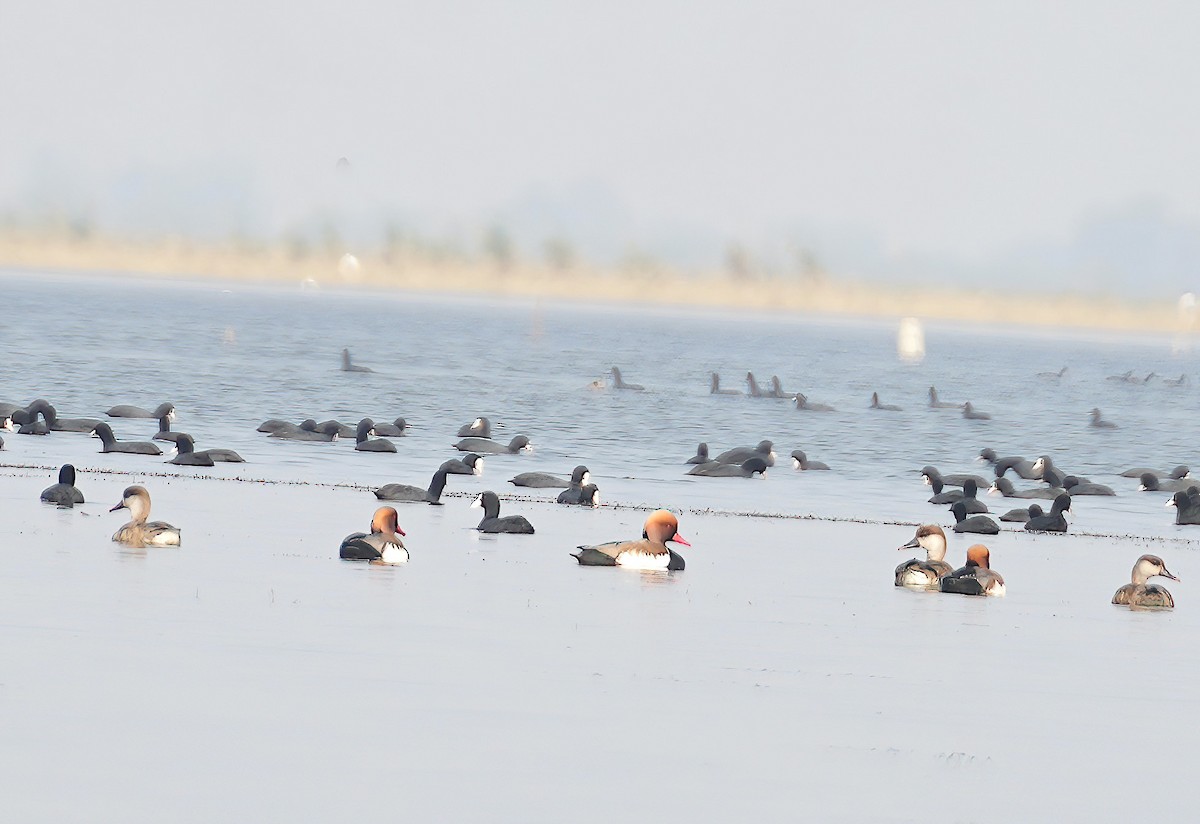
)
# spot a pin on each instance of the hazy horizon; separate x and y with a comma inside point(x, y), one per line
point(1005, 144)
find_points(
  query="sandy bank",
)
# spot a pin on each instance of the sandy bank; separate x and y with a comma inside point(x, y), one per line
point(177, 257)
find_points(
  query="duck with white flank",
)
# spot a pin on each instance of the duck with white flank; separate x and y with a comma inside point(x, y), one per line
point(976, 578)
point(651, 552)
point(491, 522)
point(139, 532)
point(1138, 593)
point(382, 545)
point(924, 574)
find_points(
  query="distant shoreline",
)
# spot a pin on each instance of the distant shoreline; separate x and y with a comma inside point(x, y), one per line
point(178, 258)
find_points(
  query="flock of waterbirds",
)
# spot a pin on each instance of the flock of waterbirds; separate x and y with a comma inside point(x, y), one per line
point(383, 543)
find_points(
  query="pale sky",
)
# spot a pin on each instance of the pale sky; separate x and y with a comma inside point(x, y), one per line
point(939, 129)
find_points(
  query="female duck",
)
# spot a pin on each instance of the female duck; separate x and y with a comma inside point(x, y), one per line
point(649, 553)
point(138, 532)
point(924, 574)
point(976, 578)
point(382, 545)
point(1140, 594)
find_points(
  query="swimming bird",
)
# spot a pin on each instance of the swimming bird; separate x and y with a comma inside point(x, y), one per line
point(1020, 516)
point(1182, 380)
point(469, 464)
point(188, 456)
point(415, 494)
point(1098, 421)
point(544, 480)
point(979, 524)
point(1176, 474)
point(882, 407)
point(1152, 483)
point(1126, 378)
point(109, 443)
point(715, 387)
point(347, 366)
point(801, 463)
point(739, 454)
point(971, 504)
point(619, 383)
point(1053, 376)
point(1138, 593)
point(972, 414)
point(650, 552)
point(127, 411)
point(714, 469)
point(274, 425)
point(777, 390)
point(953, 479)
point(29, 422)
point(308, 431)
point(1003, 486)
point(1056, 521)
point(382, 545)
point(701, 455)
point(343, 430)
point(1050, 474)
point(976, 578)
point(1001, 466)
point(478, 428)
point(363, 442)
point(138, 532)
point(1149, 377)
point(57, 424)
point(939, 404)
point(941, 495)
point(395, 429)
point(492, 522)
point(1187, 507)
point(803, 403)
point(752, 386)
point(63, 493)
point(586, 495)
point(924, 574)
point(1076, 486)
point(164, 432)
point(487, 446)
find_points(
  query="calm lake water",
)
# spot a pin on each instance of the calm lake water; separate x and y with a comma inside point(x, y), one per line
point(781, 677)
point(230, 356)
